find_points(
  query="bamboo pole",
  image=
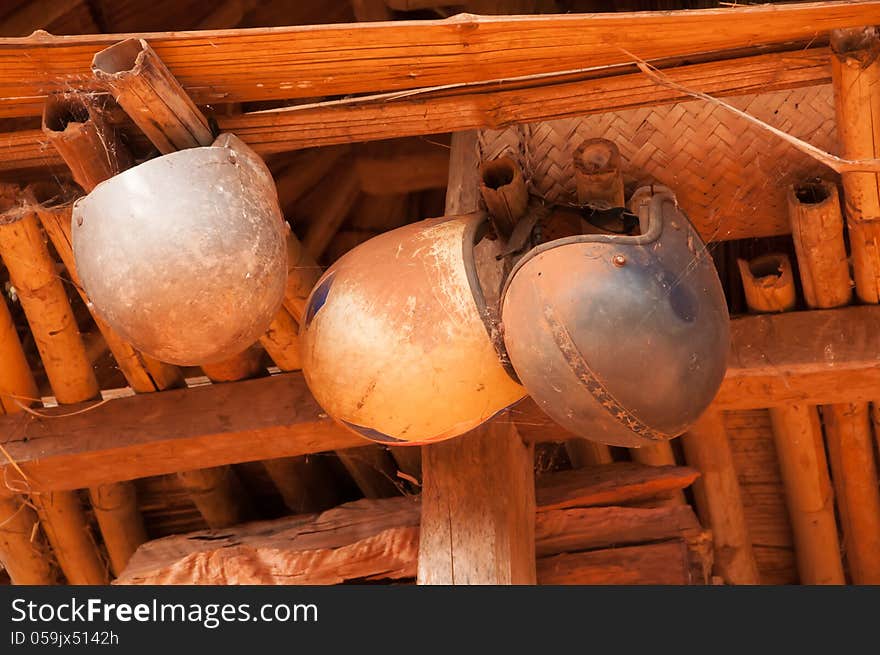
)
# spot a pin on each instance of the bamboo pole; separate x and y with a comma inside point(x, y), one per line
point(218, 495)
point(23, 550)
point(855, 76)
point(797, 430)
point(597, 173)
point(120, 520)
point(148, 92)
point(42, 295)
point(719, 502)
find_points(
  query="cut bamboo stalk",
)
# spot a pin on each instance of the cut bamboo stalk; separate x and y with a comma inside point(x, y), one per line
point(87, 144)
point(718, 497)
point(855, 479)
point(504, 191)
point(768, 283)
point(855, 75)
point(817, 230)
point(597, 173)
point(120, 520)
point(123, 527)
point(797, 430)
point(151, 96)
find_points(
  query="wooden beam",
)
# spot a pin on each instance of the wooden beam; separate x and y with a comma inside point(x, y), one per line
point(277, 417)
point(238, 422)
point(483, 106)
point(299, 62)
point(814, 357)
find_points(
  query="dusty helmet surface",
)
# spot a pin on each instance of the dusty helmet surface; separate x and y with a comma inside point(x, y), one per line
point(620, 339)
point(184, 255)
point(394, 344)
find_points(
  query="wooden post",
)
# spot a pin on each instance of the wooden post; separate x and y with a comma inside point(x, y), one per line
point(471, 533)
point(597, 173)
point(478, 509)
point(797, 430)
point(719, 502)
point(855, 76)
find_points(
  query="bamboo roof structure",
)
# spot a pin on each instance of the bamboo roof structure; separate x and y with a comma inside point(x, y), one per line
point(374, 114)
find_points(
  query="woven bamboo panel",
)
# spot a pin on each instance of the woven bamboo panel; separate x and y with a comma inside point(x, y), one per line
point(729, 175)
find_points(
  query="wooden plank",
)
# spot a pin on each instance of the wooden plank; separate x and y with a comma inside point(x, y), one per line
point(811, 357)
point(665, 563)
point(378, 539)
point(363, 540)
point(297, 62)
point(585, 528)
point(483, 106)
point(471, 533)
point(612, 484)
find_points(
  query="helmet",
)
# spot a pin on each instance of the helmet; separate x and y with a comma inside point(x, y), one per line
point(620, 339)
point(396, 341)
point(184, 255)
